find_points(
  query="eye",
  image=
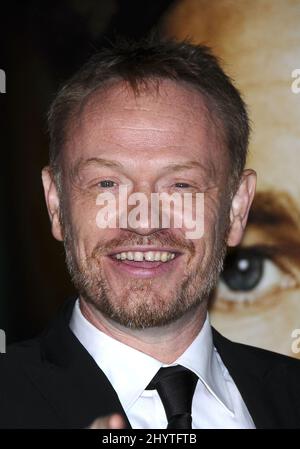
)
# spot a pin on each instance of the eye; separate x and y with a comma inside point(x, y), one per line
point(243, 271)
point(182, 185)
point(106, 183)
point(249, 276)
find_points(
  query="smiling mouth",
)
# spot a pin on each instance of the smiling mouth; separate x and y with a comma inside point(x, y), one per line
point(148, 256)
point(145, 263)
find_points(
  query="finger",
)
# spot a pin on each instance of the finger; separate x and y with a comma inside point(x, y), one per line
point(108, 422)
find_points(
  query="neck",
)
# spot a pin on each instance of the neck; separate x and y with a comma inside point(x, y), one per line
point(165, 343)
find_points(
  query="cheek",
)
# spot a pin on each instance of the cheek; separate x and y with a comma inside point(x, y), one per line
point(204, 246)
point(86, 234)
point(83, 226)
point(212, 223)
point(83, 211)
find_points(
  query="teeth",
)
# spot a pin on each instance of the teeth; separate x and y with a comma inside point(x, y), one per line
point(130, 255)
point(149, 256)
point(138, 256)
point(157, 256)
point(164, 257)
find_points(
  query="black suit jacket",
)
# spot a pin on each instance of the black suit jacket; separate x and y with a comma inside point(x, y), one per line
point(52, 382)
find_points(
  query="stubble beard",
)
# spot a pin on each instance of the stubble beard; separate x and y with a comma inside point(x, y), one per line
point(139, 305)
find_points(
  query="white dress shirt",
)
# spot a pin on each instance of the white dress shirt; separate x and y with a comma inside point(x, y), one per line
point(217, 403)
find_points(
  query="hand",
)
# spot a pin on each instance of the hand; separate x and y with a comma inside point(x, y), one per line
point(114, 421)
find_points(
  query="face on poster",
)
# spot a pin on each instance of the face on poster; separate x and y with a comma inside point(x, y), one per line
point(257, 301)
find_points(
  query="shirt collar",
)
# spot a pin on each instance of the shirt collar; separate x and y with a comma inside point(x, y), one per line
point(130, 371)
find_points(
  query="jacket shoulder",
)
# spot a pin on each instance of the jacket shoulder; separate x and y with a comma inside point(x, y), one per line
point(27, 350)
point(257, 357)
point(14, 363)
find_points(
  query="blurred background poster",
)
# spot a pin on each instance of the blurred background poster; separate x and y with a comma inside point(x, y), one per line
point(257, 300)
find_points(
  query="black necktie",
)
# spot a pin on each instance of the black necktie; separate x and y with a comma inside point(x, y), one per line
point(175, 386)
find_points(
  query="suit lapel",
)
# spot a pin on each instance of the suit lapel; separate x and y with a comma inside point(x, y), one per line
point(69, 378)
point(255, 380)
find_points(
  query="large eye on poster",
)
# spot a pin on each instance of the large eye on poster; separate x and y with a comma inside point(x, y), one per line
point(258, 297)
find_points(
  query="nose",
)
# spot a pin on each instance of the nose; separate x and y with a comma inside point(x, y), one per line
point(143, 212)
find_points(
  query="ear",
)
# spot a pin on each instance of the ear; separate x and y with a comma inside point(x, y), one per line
point(240, 207)
point(52, 202)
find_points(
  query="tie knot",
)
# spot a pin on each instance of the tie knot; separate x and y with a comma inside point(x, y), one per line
point(175, 386)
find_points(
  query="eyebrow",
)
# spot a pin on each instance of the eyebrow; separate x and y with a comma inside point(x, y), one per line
point(185, 166)
point(274, 208)
point(277, 216)
point(82, 163)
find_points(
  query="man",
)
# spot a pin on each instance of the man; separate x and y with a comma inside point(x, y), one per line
point(136, 348)
point(259, 43)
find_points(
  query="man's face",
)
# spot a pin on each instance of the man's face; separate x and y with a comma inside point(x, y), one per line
point(157, 141)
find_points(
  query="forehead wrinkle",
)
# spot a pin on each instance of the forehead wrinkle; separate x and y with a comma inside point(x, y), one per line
point(101, 116)
point(135, 128)
point(140, 126)
point(121, 147)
